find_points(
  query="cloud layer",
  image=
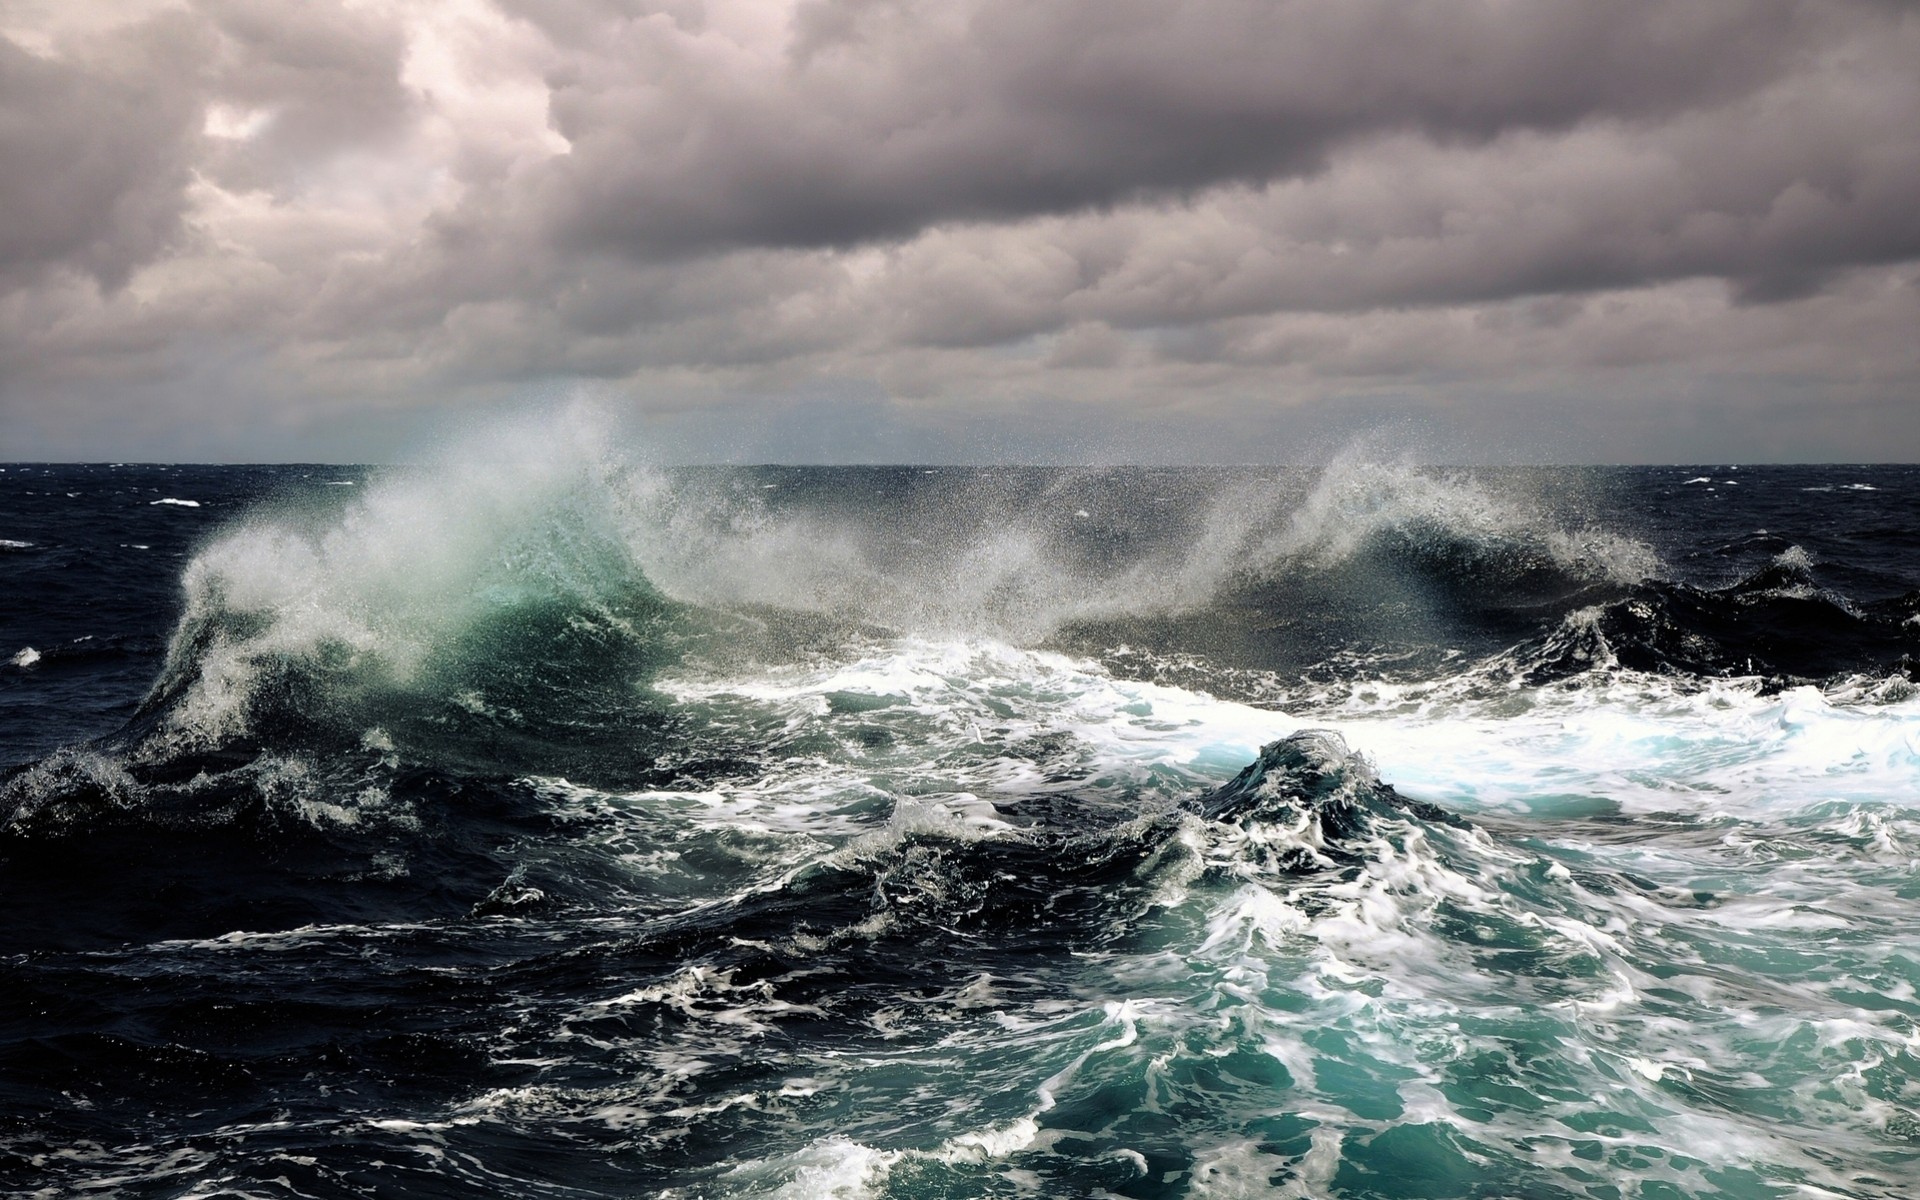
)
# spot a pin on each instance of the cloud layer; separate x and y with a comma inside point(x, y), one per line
point(975, 228)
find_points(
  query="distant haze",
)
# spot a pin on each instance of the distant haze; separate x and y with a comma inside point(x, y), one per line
point(964, 230)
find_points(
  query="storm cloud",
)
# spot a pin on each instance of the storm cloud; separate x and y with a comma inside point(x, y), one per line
point(237, 228)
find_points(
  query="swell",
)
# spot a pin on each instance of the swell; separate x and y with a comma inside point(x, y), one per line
point(499, 614)
point(1778, 623)
point(1248, 567)
point(1347, 984)
point(922, 929)
point(352, 684)
point(1374, 562)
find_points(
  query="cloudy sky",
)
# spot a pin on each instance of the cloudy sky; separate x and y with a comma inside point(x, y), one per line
point(964, 230)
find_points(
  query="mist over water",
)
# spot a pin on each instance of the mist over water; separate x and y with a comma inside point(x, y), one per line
point(556, 824)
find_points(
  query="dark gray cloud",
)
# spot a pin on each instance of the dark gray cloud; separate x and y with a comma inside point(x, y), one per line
point(94, 157)
point(239, 215)
point(877, 118)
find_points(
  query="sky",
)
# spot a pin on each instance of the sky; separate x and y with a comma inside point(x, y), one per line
point(964, 230)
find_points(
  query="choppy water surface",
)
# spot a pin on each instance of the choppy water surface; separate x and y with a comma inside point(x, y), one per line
point(585, 829)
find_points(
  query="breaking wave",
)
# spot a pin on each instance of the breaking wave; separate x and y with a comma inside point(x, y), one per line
point(488, 591)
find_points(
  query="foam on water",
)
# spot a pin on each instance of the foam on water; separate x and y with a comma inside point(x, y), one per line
point(1636, 743)
point(1637, 859)
point(911, 904)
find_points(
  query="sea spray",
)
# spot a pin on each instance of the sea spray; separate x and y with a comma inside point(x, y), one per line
point(403, 580)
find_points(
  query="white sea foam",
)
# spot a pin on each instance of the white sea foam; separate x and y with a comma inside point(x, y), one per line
point(1370, 951)
point(961, 707)
point(835, 1168)
point(1722, 749)
point(176, 503)
point(1794, 558)
point(26, 657)
point(1529, 955)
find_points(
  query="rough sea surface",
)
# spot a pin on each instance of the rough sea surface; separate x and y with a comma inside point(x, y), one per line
point(577, 828)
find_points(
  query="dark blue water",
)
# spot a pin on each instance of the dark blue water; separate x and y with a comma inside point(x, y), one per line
point(579, 828)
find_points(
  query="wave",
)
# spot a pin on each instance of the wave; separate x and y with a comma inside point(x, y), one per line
point(1453, 525)
point(935, 925)
point(501, 613)
point(1375, 563)
point(1313, 776)
point(1777, 623)
point(1030, 556)
point(989, 910)
point(533, 594)
point(505, 612)
point(497, 597)
point(1057, 872)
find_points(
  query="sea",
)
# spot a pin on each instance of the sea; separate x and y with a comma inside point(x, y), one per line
point(537, 821)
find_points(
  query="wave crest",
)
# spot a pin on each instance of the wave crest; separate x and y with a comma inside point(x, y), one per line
point(1449, 522)
point(470, 586)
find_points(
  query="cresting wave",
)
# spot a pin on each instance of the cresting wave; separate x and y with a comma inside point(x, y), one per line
point(1451, 523)
point(499, 612)
point(450, 584)
point(428, 586)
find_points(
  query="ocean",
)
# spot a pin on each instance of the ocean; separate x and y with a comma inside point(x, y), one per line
point(556, 825)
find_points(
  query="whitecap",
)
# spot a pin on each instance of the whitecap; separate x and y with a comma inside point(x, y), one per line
point(26, 658)
point(177, 503)
point(835, 1168)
